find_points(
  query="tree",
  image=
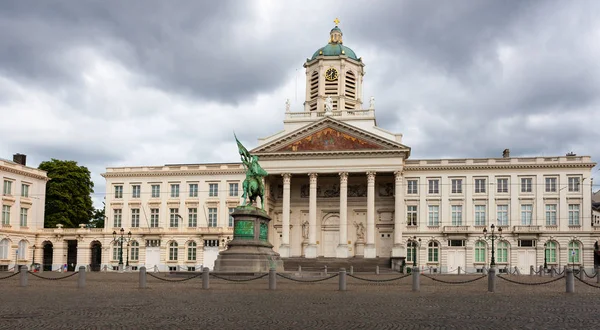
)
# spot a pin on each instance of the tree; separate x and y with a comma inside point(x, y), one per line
point(98, 217)
point(68, 194)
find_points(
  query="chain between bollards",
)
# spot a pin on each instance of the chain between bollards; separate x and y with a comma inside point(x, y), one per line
point(570, 282)
point(342, 279)
point(272, 279)
point(81, 279)
point(205, 278)
point(23, 276)
point(416, 284)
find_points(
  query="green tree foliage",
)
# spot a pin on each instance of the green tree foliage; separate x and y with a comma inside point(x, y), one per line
point(98, 218)
point(68, 194)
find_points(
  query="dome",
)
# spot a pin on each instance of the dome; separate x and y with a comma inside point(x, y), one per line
point(335, 46)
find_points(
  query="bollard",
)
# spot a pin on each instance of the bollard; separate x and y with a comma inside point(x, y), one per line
point(325, 270)
point(581, 269)
point(552, 271)
point(492, 280)
point(597, 274)
point(531, 271)
point(459, 269)
point(541, 269)
point(376, 270)
point(205, 275)
point(272, 279)
point(570, 280)
point(81, 279)
point(342, 279)
point(416, 284)
point(143, 282)
point(351, 270)
point(23, 276)
point(300, 269)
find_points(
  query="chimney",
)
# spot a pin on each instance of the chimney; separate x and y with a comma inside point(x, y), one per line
point(20, 159)
point(506, 153)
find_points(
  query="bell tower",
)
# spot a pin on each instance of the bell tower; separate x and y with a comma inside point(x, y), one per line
point(335, 72)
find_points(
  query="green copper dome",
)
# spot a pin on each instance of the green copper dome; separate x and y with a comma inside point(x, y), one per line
point(335, 46)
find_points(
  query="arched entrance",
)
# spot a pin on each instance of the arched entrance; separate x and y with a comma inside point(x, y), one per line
point(96, 261)
point(330, 231)
point(48, 255)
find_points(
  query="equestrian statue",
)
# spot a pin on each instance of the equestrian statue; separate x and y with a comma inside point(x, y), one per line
point(253, 184)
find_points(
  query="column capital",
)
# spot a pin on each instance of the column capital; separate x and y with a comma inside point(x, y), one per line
point(371, 175)
point(313, 177)
point(398, 176)
point(286, 177)
point(343, 177)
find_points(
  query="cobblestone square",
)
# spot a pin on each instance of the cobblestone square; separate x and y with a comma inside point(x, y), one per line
point(112, 300)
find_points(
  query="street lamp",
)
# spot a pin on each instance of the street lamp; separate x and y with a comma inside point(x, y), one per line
point(545, 257)
point(33, 262)
point(120, 239)
point(413, 241)
point(493, 236)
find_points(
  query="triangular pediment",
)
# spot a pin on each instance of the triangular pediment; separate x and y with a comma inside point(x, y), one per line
point(329, 135)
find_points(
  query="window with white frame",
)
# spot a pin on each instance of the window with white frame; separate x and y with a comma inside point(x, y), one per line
point(24, 190)
point(136, 191)
point(551, 214)
point(526, 214)
point(6, 214)
point(174, 217)
point(457, 215)
point(7, 187)
point(233, 189)
point(480, 215)
point(212, 216)
point(22, 250)
point(4, 248)
point(173, 251)
point(480, 252)
point(502, 185)
point(502, 214)
point(434, 186)
point(411, 252)
point(134, 253)
point(526, 185)
point(116, 251)
point(433, 215)
point(117, 217)
point(192, 217)
point(118, 192)
point(551, 248)
point(456, 186)
point(231, 209)
point(155, 190)
point(135, 218)
point(411, 215)
point(23, 217)
point(175, 190)
point(154, 218)
point(193, 190)
point(573, 184)
point(502, 252)
point(213, 189)
point(573, 214)
point(412, 187)
point(433, 252)
point(191, 251)
point(479, 186)
point(551, 184)
point(574, 252)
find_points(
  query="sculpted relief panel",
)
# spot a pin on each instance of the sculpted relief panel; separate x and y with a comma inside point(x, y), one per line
point(329, 139)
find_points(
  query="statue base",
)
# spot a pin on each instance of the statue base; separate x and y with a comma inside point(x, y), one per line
point(360, 248)
point(250, 250)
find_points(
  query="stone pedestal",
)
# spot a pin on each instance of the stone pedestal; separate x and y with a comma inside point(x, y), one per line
point(370, 251)
point(341, 251)
point(398, 250)
point(360, 248)
point(250, 250)
point(284, 250)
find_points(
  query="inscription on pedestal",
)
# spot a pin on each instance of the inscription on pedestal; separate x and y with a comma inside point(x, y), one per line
point(243, 229)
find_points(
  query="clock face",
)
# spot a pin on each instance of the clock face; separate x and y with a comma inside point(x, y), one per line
point(331, 74)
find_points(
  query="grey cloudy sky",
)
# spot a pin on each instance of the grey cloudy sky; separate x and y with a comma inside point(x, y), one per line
point(116, 83)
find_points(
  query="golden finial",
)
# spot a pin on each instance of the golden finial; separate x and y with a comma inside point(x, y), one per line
point(336, 21)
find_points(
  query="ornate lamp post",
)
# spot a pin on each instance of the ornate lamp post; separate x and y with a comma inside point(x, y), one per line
point(414, 242)
point(545, 256)
point(493, 236)
point(120, 239)
point(33, 261)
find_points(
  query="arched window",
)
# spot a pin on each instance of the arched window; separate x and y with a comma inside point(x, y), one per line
point(574, 252)
point(480, 251)
point(191, 251)
point(551, 252)
point(173, 251)
point(350, 89)
point(22, 250)
point(116, 251)
point(135, 251)
point(433, 252)
point(4, 248)
point(502, 252)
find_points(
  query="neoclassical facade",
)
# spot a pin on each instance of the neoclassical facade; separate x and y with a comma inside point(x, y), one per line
point(339, 186)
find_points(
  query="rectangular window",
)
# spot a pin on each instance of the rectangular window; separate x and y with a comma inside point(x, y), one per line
point(135, 252)
point(6, 214)
point(23, 222)
point(231, 209)
point(154, 218)
point(411, 215)
point(550, 214)
point(213, 190)
point(212, 216)
point(526, 185)
point(550, 184)
point(191, 255)
point(434, 186)
point(573, 214)
point(136, 191)
point(526, 214)
point(434, 215)
point(479, 186)
point(480, 215)
point(117, 252)
point(155, 191)
point(7, 187)
point(457, 186)
point(24, 190)
point(192, 217)
point(118, 192)
point(233, 189)
point(573, 184)
point(502, 185)
point(412, 187)
point(433, 254)
point(135, 218)
point(174, 217)
point(457, 215)
point(175, 191)
point(193, 190)
point(118, 215)
point(502, 214)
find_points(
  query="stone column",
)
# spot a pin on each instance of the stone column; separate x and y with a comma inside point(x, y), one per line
point(398, 250)
point(311, 249)
point(284, 249)
point(370, 251)
point(342, 249)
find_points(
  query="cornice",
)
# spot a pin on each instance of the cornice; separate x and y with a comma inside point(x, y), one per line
point(24, 173)
point(170, 173)
point(329, 154)
point(408, 167)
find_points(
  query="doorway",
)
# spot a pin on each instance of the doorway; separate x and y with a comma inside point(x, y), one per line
point(71, 255)
point(47, 257)
point(96, 260)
